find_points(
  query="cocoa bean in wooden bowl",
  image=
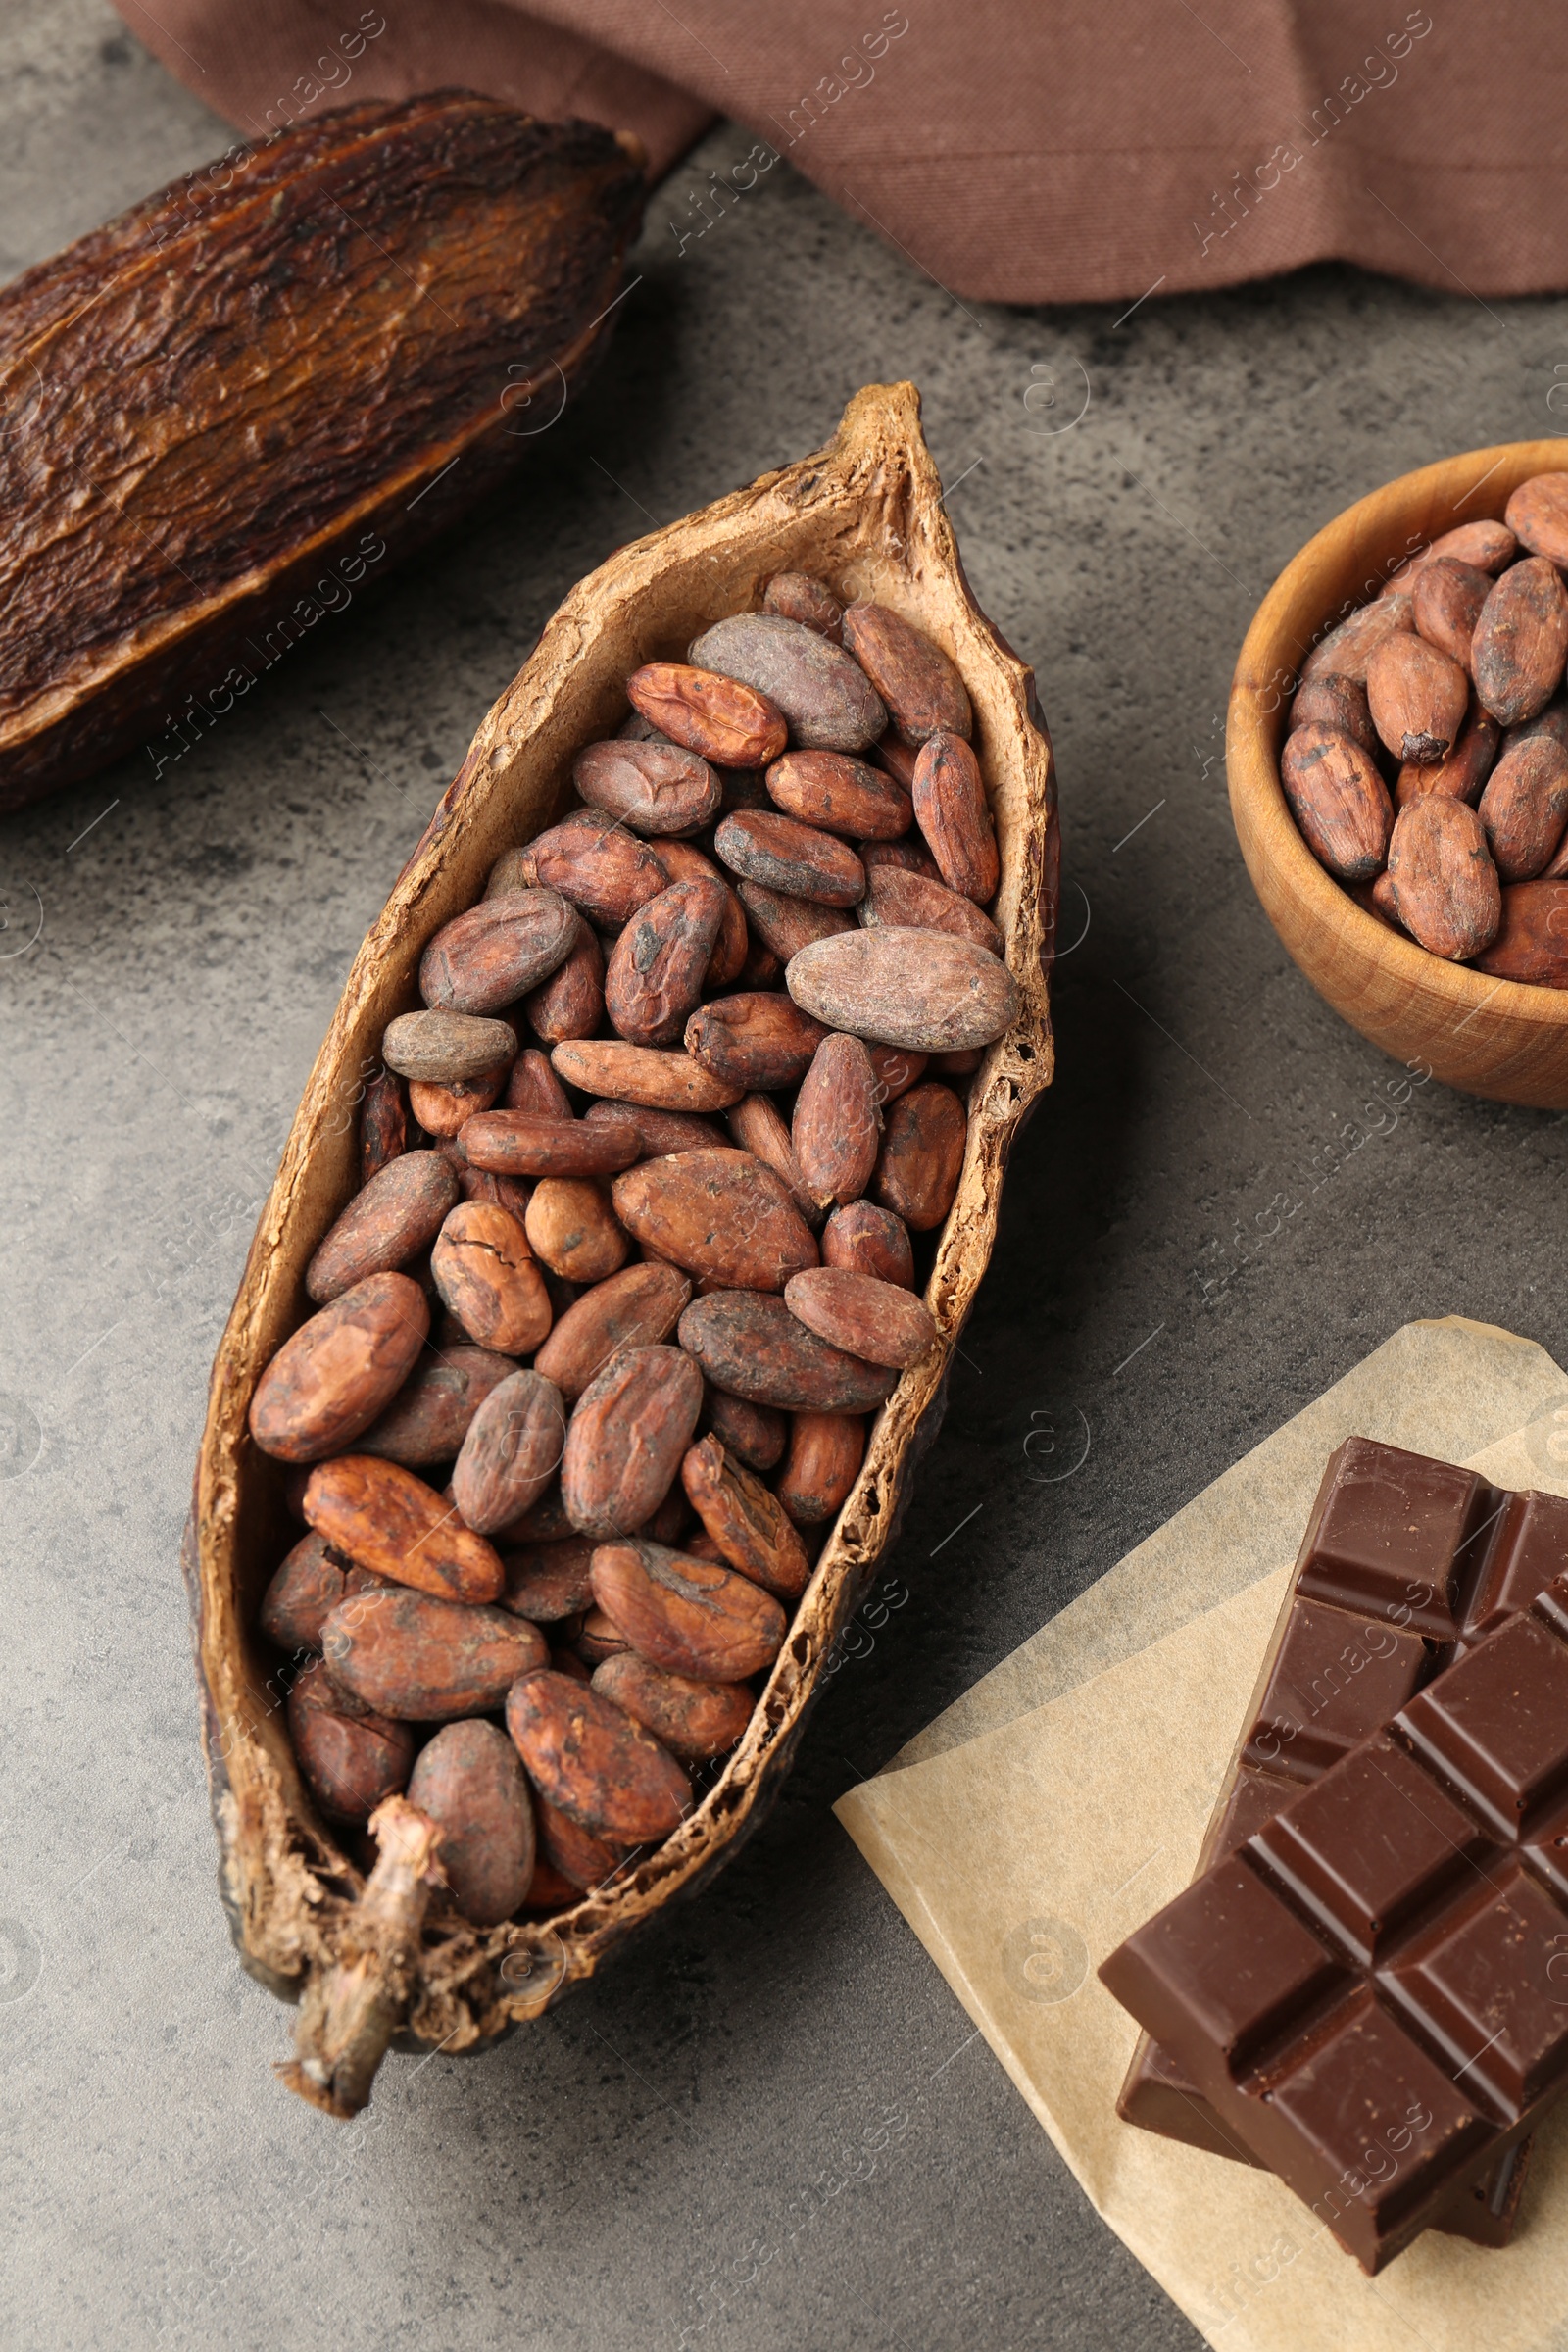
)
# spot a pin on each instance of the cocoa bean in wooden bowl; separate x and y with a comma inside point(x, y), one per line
point(703, 1201)
point(1398, 757)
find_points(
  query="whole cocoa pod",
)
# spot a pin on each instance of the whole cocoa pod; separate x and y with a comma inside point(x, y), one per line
point(469, 1781)
point(589, 1760)
point(625, 1438)
point(393, 1216)
point(332, 1376)
point(1339, 801)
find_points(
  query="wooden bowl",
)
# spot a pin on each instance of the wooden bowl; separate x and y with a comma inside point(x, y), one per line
point(866, 514)
point(1498, 1038)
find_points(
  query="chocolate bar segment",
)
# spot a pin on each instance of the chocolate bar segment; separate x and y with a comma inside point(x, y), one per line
point(1393, 1537)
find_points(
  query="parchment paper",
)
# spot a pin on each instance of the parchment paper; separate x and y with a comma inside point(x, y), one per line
point(1022, 1856)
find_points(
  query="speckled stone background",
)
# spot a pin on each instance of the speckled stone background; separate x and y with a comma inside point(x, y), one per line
point(771, 2127)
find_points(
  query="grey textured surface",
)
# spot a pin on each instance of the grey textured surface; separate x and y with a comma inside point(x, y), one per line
point(771, 2126)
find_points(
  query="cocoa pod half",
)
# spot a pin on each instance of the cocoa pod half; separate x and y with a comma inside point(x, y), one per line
point(1532, 942)
point(484, 1271)
point(393, 1216)
point(950, 811)
point(332, 1376)
point(719, 719)
point(1524, 806)
point(643, 1075)
point(688, 1616)
point(387, 1520)
point(625, 1438)
point(749, 1343)
point(827, 1451)
point(799, 597)
point(511, 1452)
point(919, 685)
point(431, 1414)
point(656, 971)
point(654, 787)
point(636, 1307)
point(865, 1317)
point(1444, 882)
point(423, 1660)
point(470, 1783)
point(839, 795)
point(922, 1158)
point(351, 1758)
point(918, 989)
point(825, 694)
point(870, 1239)
point(261, 343)
point(589, 1760)
point(747, 1523)
point(693, 1720)
point(721, 1215)
point(1339, 801)
point(1521, 640)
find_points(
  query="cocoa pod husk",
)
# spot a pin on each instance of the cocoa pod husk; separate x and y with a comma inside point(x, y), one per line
point(659, 1132)
point(1418, 698)
point(350, 1758)
point(1339, 801)
point(835, 794)
point(588, 1759)
point(916, 989)
point(754, 1435)
point(827, 1451)
point(907, 856)
point(723, 1217)
point(747, 1342)
point(749, 1525)
point(688, 1616)
point(836, 1131)
point(624, 1441)
point(582, 1861)
point(397, 1214)
point(593, 861)
point(870, 1239)
point(525, 1142)
point(343, 1366)
point(1537, 516)
point(825, 696)
point(383, 1124)
point(573, 1230)
point(756, 1039)
point(1521, 640)
point(899, 901)
point(572, 1001)
point(1464, 771)
point(763, 845)
point(1330, 700)
point(655, 975)
point(439, 1048)
point(308, 1585)
point(1443, 879)
point(683, 861)
point(1346, 650)
point(721, 719)
point(1447, 603)
point(1525, 807)
point(387, 1520)
point(865, 1317)
point(636, 1307)
point(918, 1168)
point(485, 1272)
point(655, 787)
point(443, 1112)
point(756, 1125)
point(922, 690)
point(470, 1783)
point(644, 1075)
point(549, 1581)
point(952, 813)
point(785, 924)
point(423, 1660)
point(799, 597)
point(497, 951)
point(1532, 940)
point(429, 1418)
point(694, 1720)
point(510, 1451)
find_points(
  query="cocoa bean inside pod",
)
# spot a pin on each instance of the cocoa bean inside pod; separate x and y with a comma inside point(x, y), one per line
point(332, 1376)
point(1537, 515)
point(1447, 599)
point(659, 1131)
point(747, 1342)
point(756, 1125)
point(721, 718)
point(511, 1452)
point(1417, 696)
point(387, 1520)
point(497, 951)
point(485, 1272)
point(470, 1783)
point(688, 1616)
point(1524, 806)
point(877, 1320)
point(747, 1523)
point(439, 1048)
point(840, 794)
point(753, 1434)
point(786, 924)
point(1462, 772)
point(827, 1451)
point(919, 989)
point(952, 813)
point(920, 686)
point(683, 861)
point(1532, 940)
point(870, 1239)
point(572, 1229)
point(1552, 722)
point(598, 1638)
point(721, 1215)
point(444, 1110)
point(897, 1070)
point(431, 1414)
point(308, 1585)
point(837, 1128)
point(547, 1581)
point(351, 1759)
point(1521, 640)
point(825, 694)
point(799, 597)
point(896, 900)
point(1334, 701)
point(1346, 650)
point(593, 861)
point(572, 1001)
point(534, 1087)
point(779, 852)
point(625, 1438)
point(756, 1039)
point(423, 1660)
point(694, 1720)
point(655, 787)
point(908, 856)
point(383, 1124)
point(638, 1306)
point(1339, 801)
point(582, 1860)
point(922, 1159)
point(643, 1075)
point(592, 1762)
point(654, 974)
point(1490, 545)
point(1444, 882)
point(525, 1142)
point(397, 1214)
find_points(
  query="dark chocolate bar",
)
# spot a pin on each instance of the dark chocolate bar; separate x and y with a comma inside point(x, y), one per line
point(1372, 1991)
point(1469, 1556)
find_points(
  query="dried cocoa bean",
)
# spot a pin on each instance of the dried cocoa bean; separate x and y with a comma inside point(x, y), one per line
point(1446, 602)
point(765, 846)
point(1520, 640)
point(332, 1376)
point(1532, 940)
point(599, 1638)
point(444, 1110)
point(922, 1158)
point(904, 901)
point(548, 1890)
point(350, 1760)
point(497, 951)
point(1335, 702)
point(387, 1520)
point(624, 1441)
point(756, 1039)
point(747, 1342)
point(721, 1215)
point(522, 1143)
point(786, 924)
point(431, 1414)
point(655, 975)
point(907, 856)
point(545, 1522)
point(722, 719)
point(1339, 801)
point(392, 1217)
point(308, 1585)
point(685, 863)
point(825, 696)
point(383, 1124)
point(865, 1317)
point(642, 1075)
point(757, 1126)
point(439, 1048)
point(592, 861)
point(484, 1271)
point(659, 1131)
point(1345, 651)
point(753, 1434)
point(572, 1227)
point(572, 1001)
point(497, 1191)
point(868, 1239)
point(423, 1660)
point(922, 690)
point(589, 1760)
point(1442, 880)
point(1524, 809)
point(827, 1451)
point(1537, 515)
point(839, 795)
point(762, 970)
point(1417, 696)
point(637, 1307)
point(916, 989)
point(511, 1452)
point(1552, 722)
point(655, 787)
point(547, 1581)
point(898, 1070)
point(686, 1615)
point(746, 1522)
point(800, 598)
point(1489, 546)
point(837, 1127)
point(1464, 769)
point(470, 1783)
point(693, 1720)
point(581, 1860)
point(952, 813)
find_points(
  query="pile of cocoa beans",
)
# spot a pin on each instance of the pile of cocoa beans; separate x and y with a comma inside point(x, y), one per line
point(1427, 763)
point(644, 1187)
